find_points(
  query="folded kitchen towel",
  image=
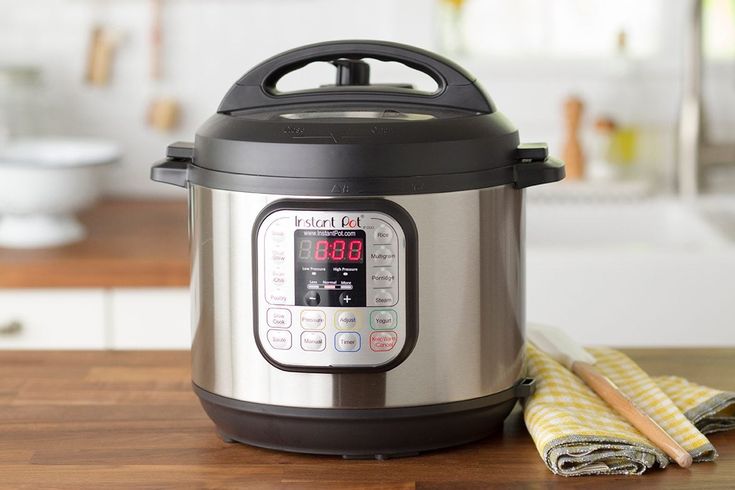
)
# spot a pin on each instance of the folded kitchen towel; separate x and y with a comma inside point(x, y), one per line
point(578, 433)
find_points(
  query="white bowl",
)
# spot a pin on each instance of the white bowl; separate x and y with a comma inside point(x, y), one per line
point(43, 182)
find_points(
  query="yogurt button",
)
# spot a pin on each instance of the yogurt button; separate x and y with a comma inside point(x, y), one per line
point(313, 319)
point(383, 319)
point(383, 341)
point(279, 318)
point(382, 256)
point(382, 277)
point(313, 341)
point(279, 339)
point(383, 234)
point(383, 298)
point(347, 320)
point(347, 341)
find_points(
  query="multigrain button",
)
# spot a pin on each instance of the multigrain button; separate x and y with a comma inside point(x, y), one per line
point(313, 341)
point(382, 256)
point(346, 320)
point(312, 319)
point(383, 234)
point(383, 341)
point(347, 341)
point(279, 339)
point(383, 319)
point(279, 317)
point(383, 297)
point(382, 277)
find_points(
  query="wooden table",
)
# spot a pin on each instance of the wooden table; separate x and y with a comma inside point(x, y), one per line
point(126, 419)
point(130, 243)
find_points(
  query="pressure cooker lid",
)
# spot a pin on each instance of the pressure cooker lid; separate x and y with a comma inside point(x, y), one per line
point(357, 137)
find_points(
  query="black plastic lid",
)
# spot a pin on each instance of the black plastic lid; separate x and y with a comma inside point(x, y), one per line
point(354, 137)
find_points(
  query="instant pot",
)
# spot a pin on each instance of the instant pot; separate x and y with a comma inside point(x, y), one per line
point(357, 256)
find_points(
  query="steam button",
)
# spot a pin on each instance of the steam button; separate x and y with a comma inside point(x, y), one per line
point(383, 297)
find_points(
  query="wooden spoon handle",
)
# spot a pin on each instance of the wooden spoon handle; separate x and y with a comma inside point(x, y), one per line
point(608, 391)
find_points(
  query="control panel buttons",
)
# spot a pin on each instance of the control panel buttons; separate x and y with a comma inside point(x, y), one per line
point(276, 297)
point(383, 297)
point(382, 277)
point(345, 298)
point(312, 298)
point(313, 341)
point(383, 234)
point(346, 320)
point(347, 341)
point(383, 319)
point(383, 256)
point(279, 339)
point(383, 341)
point(278, 317)
point(313, 319)
point(278, 277)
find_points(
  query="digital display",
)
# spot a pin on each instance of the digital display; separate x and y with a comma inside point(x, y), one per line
point(349, 248)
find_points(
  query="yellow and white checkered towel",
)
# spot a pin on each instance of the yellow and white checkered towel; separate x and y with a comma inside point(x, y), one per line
point(577, 433)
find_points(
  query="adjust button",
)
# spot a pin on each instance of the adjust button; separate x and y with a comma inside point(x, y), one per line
point(279, 339)
point(347, 341)
point(279, 317)
point(382, 277)
point(383, 341)
point(313, 341)
point(313, 319)
point(383, 319)
point(346, 320)
point(383, 234)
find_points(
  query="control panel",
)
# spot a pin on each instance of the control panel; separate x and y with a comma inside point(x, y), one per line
point(331, 286)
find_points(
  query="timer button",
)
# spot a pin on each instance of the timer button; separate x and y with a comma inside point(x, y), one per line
point(279, 339)
point(383, 234)
point(313, 341)
point(382, 278)
point(279, 318)
point(312, 298)
point(347, 341)
point(382, 256)
point(313, 319)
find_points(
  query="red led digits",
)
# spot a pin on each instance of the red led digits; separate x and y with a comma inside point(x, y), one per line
point(322, 250)
point(335, 250)
point(338, 250)
point(355, 252)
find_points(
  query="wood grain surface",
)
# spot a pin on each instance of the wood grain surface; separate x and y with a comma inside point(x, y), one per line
point(129, 244)
point(129, 419)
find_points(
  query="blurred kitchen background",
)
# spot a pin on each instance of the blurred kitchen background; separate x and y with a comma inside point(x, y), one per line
point(636, 248)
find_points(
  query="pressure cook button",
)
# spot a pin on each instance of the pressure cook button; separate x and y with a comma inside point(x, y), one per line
point(383, 319)
point(383, 341)
point(313, 341)
point(382, 256)
point(383, 234)
point(312, 298)
point(382, 277)
point(347, 320)
point(313, 319)
point(279, 339)
point(383, 297)
point(347, 341)
point(279, 317)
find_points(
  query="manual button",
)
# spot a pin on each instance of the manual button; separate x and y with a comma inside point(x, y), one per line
point(279, 339)
point(313, 341)
point(382, 278)
point(312, 319)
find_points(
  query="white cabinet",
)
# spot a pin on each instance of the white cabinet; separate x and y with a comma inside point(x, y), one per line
point(52, 319)
point(150, 318)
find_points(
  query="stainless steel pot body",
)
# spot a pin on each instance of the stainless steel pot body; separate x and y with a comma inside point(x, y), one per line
point(471, 305)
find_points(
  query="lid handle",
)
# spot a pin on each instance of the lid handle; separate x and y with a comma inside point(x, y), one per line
point(457, 89)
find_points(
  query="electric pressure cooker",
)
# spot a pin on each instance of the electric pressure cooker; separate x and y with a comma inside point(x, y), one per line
point(357, 256)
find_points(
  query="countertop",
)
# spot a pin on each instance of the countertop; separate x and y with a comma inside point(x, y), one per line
point(130, 243)
point(127, 419)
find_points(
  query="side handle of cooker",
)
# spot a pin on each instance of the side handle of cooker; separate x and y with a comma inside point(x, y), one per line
point(535, 166)
point(174, 169)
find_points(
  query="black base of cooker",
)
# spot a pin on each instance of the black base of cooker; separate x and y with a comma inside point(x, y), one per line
point(361, 433)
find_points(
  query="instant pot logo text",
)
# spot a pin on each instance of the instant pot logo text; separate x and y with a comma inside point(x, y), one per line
point(331, 222)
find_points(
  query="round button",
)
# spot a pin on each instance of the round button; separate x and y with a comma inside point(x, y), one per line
point(382, 278)
point(383, 234)
point(279, 339)
point(383, 298)
point(347, 320)
point(383, 319)
point(382, 256)
point(347, 341)
point(346, 298)
point(313, 341)
point(312, 298)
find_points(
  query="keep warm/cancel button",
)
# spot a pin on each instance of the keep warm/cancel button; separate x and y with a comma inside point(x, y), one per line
point(383, 341)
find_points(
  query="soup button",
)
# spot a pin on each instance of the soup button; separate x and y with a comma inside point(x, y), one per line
point(383, 341)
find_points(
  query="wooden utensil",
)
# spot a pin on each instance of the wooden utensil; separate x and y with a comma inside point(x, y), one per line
point(572, 153)
point(99, 59)
point(163, 112)
point(560, 347)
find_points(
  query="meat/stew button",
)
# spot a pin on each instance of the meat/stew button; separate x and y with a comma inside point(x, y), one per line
point(383, 341)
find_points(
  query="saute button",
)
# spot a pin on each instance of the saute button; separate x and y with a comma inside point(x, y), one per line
point(347, 320)
point(383, 341)
point(382, 277)
point(312, 298)
point(383, 234)
point(383, 298)
point(312, 319)
point(383, 319)
point(347, 341)
point(279, 339)
point(314, 341)
point(279, 317)
point(382, 256)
